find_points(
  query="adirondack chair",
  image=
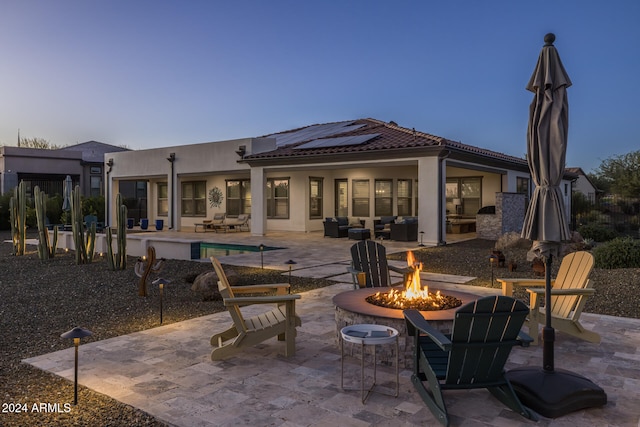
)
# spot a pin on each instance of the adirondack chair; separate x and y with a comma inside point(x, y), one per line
point(369, 265)
point(247, 332)
point(569, 292)
point(473, 356)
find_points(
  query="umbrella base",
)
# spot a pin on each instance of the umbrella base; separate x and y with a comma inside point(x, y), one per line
point(557, 393)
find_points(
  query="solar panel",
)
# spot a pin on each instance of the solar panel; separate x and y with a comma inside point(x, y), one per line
point(337, 142)
point(314, 132)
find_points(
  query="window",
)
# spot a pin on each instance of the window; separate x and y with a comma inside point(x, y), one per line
point(238, 197)
point(163, 199)
point(315, 198)
point(194, 196)
point(341, 197)
point(404, 197)
point(278, 198)
point(360, 197)
point(522, 185)
point(96, 186)
point(464, 195)
point(383, 197)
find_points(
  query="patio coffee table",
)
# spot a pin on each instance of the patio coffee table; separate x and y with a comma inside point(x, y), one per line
point(359, 233)
point(372, 335)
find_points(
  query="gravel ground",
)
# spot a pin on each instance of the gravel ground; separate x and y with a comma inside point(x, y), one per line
point(39, 301)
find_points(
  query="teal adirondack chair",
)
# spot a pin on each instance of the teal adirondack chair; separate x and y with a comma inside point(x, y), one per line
point(484, 332)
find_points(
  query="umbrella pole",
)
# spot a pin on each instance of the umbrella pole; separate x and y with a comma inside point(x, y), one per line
point(548, 333)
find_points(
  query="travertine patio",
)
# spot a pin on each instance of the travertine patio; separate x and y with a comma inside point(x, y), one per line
point(167, 372)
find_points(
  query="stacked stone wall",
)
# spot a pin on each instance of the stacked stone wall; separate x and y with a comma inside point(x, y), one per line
point(510, 211)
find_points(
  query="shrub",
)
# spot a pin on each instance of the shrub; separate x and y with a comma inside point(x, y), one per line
point(622, 252)
point(597, 232)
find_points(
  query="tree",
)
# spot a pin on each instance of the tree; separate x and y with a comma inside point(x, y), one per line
point(622, 172)
point(37, 143)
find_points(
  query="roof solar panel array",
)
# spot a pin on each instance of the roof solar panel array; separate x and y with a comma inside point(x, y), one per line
point(314, 132)
point(337, 142)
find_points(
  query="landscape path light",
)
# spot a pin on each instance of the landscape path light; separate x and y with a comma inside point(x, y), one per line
point(290, 263)
point(261, 247)
point(76, 333)
point(161, 282)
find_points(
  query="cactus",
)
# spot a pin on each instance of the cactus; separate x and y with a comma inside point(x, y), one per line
point(118, 261)
point(84, 247)
point(144, 267)
point(18, 213)
point(46, 247)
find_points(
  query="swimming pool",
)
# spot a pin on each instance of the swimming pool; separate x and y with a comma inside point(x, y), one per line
point(208, 249)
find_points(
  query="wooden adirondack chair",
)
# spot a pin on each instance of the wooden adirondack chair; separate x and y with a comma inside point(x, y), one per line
point(369, 265)
point(246, 332)
point(569, 293)
point(473, 356)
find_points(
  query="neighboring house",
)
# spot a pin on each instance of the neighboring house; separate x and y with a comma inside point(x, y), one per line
point(293, 180)
point(583, 184)
point(48, 168)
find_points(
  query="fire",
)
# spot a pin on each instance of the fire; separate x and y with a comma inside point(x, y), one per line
point(414, 295)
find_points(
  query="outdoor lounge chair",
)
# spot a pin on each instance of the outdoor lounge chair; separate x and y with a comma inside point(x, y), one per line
point(247, 332)
point(236, 224)
point(215, 224)
point(369, 267)
point(569, 293)
point(473, 356)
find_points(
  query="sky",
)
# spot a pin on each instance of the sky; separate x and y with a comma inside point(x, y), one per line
point(155, 73)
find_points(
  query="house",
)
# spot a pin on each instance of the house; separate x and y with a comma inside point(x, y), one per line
point(48, 168)
point(583, 184)
point(293, 180)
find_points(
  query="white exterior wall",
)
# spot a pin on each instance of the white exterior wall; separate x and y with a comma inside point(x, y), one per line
point(213, 162)
point(429, 218)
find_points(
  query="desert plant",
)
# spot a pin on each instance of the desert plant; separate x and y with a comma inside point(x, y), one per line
point(18, 212)
point(621, 252)
point(84, 246)
point(118, 261)
point(46, 246)
point(597, 232)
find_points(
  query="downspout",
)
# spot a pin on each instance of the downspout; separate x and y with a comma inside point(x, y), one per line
point(172, 159)
point(442, 156)
point(107, 211)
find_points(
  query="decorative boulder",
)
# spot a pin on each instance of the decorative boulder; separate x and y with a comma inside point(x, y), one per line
point(207, 285)
point(512, 240)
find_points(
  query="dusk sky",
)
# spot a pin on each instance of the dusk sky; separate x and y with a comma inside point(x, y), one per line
point(158, 73)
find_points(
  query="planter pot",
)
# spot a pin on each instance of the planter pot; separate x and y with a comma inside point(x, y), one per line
point(144, 223)
point(159, 224)
point(130, 222)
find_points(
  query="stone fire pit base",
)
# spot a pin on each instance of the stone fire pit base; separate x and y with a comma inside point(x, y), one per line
point(352, 309)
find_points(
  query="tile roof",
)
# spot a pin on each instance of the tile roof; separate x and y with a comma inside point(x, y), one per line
point(391, 137)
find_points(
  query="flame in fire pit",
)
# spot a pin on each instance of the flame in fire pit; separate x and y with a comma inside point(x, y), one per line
point(414, 295)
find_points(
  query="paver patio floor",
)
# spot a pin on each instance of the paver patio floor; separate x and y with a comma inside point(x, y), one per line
point(167, 372)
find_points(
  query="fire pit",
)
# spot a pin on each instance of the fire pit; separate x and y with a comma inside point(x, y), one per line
point(383, 306)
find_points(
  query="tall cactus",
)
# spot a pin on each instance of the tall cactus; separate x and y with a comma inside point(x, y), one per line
point(84, 247)
point(118, 261)
point(46, 246)
point(18, 213)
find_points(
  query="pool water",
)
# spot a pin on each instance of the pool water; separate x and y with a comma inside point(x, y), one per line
point(208, 250)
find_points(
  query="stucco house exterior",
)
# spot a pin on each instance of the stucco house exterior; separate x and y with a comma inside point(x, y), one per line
point(47, 168)
point(583, 184)
point(293, 180)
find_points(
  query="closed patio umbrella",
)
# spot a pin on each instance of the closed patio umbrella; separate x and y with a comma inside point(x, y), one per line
point(67, 189)
point(548, 391)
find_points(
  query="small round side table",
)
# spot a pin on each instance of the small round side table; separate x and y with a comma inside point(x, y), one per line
point(372, 335)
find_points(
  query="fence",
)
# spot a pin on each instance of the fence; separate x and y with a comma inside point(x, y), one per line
point(622, 214)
